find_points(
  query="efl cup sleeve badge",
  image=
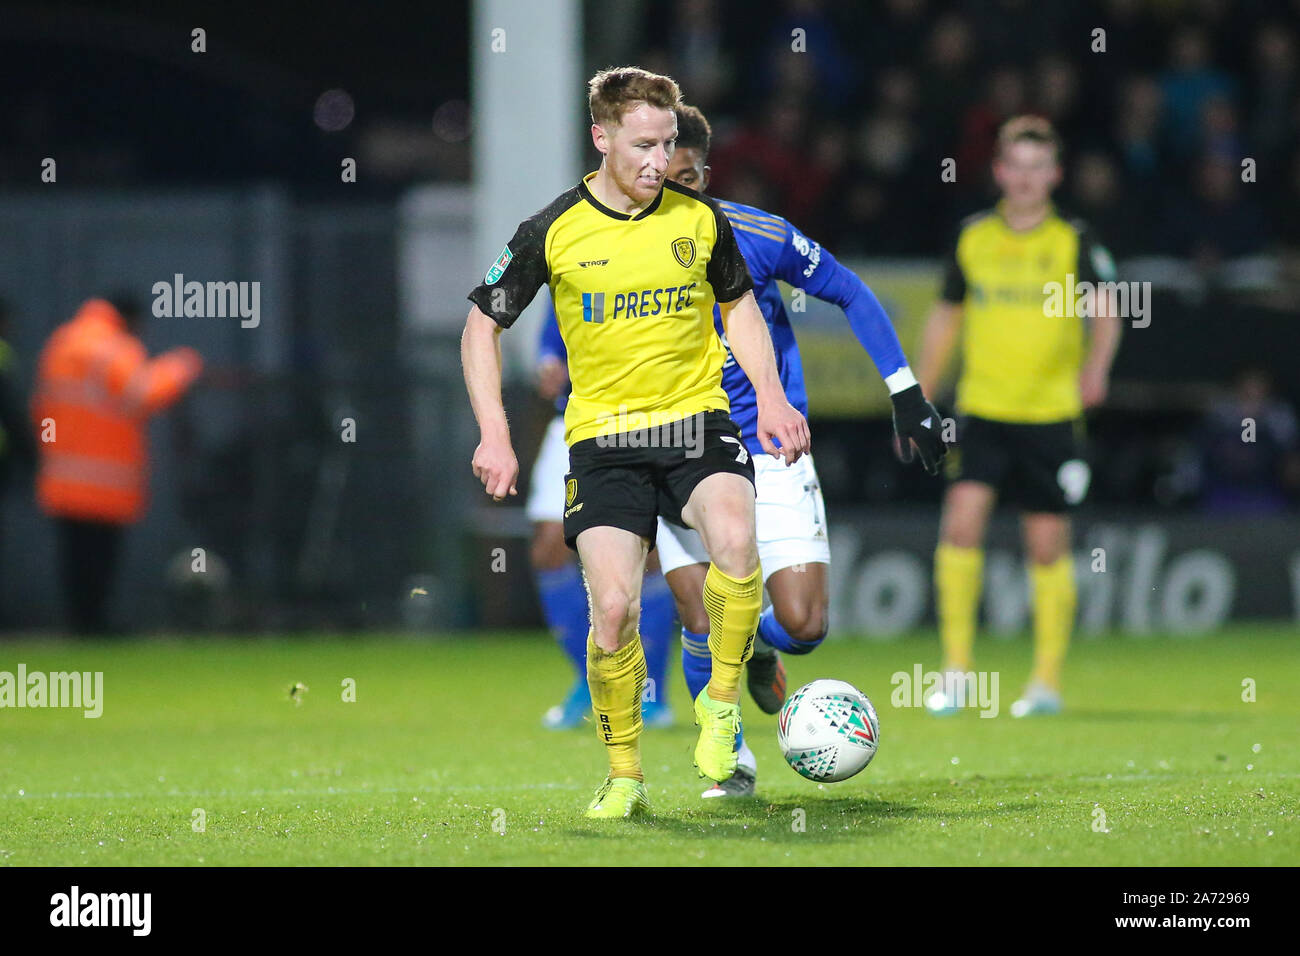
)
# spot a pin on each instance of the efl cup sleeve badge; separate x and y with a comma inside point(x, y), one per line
point(499, 267)
point(684, 251)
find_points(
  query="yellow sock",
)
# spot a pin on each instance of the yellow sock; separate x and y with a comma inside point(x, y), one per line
point(733, 606)
point(1054, 600)
point(958, 580)
point(616, 682)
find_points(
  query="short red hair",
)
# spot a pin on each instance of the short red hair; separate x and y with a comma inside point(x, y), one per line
point(611, 93)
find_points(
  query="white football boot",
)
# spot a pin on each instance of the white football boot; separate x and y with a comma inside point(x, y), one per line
point(1037, 700)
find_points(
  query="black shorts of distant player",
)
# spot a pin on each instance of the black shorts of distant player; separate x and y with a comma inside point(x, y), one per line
point(1040, 467)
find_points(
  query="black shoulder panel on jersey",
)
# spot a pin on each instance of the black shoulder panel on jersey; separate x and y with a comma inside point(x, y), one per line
point(521, 269)
point(953, 287)
point(1095, 262)
point(727, 272)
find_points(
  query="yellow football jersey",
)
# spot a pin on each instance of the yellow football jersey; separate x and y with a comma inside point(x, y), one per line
point(634, 296)
point(1021, 358)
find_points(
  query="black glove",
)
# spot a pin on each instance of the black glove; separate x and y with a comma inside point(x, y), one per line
point(917, 422)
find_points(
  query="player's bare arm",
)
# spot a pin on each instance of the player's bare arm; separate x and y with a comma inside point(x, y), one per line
point(751, 344)
point(938, 340)
point(480, 355)
point(1094, 377)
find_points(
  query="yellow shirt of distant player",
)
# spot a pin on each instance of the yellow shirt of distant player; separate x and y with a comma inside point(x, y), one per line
point(1019, 364)
point(635, 309)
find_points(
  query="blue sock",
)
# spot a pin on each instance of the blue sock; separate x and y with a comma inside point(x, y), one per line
point(658, 615)
point(697, 667)
point(697, 664)
point(775, 635)
point(564, 604)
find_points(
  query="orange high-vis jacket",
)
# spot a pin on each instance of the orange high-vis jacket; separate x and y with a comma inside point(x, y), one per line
point(95, 390)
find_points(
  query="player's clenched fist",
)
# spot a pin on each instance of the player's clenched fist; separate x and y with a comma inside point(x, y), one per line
point(496, 466)
point(782, 421)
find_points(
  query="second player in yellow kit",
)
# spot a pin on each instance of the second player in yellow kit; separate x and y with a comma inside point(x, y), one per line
point(1018, 364)
point(1026, 378)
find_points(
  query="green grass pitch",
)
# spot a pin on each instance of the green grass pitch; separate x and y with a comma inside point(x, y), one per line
point(201, 758)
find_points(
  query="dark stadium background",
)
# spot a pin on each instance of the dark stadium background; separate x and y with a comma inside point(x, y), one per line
point(225, 165)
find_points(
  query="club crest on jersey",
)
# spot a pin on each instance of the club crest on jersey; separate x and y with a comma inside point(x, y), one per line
point(570, 491)
point(684, 251)
point(499, 267)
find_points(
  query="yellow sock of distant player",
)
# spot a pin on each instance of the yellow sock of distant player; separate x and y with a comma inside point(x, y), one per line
point(958, 580)
point(1054, 600)
point(733, 606)
point(616, 682)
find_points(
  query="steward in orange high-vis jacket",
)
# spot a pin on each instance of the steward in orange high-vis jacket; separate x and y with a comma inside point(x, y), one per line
point(95, 390)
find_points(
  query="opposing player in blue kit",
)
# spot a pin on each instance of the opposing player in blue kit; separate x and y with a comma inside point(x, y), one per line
point(555, 566)
point(794, 550)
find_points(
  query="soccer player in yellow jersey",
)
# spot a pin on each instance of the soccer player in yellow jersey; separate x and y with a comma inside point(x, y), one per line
point(1026, 379)
point(635, 264)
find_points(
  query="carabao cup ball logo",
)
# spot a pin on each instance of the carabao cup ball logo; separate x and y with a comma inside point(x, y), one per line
point(684, 251)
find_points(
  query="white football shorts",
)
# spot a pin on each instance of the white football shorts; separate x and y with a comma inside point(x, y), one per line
point(546, 486)
point(791, 521)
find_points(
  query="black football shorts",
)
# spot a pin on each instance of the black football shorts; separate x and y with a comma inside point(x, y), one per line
point(1039, 467)
point(629, 479)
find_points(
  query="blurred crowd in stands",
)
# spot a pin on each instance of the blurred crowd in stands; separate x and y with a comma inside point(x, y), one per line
point(1159, 112)
point(834, 113)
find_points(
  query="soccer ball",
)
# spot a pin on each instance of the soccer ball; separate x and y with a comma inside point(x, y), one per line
point(828, 730)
